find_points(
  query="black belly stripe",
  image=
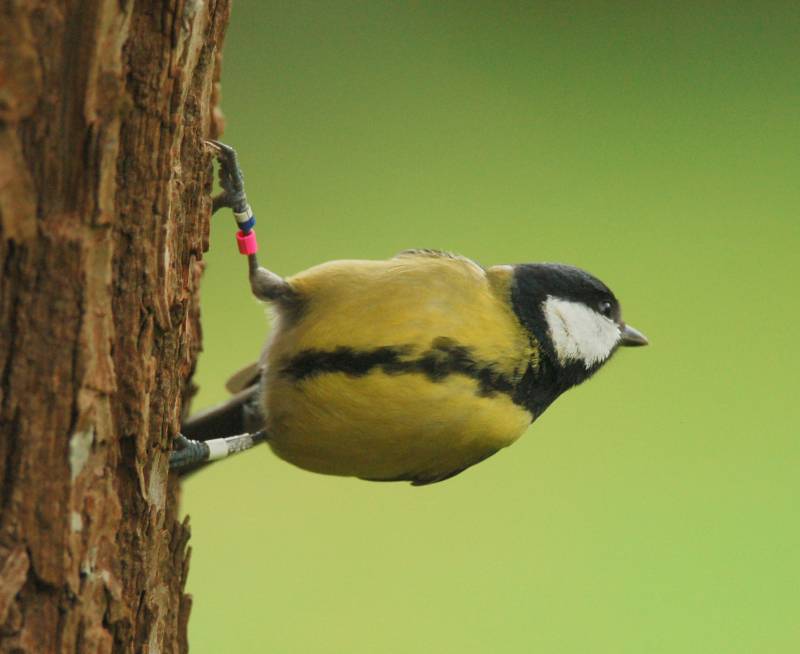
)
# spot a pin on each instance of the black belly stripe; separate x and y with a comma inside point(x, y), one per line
point(444, 357)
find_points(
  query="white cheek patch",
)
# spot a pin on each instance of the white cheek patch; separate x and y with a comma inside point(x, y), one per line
point(578, 332)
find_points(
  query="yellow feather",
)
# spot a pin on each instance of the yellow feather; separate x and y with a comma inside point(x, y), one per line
point(395, 425)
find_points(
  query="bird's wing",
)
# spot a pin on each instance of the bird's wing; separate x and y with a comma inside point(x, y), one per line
point(427, 252)
point(432, 254)
point(423, 480)
point(243, 378)
point(239, 414)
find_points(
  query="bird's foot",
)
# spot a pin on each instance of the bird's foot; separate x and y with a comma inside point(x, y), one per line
point(231, 179)
point(187, 453)
point(190, 453)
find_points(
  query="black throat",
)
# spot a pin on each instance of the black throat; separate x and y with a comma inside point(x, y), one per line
point(547, 378)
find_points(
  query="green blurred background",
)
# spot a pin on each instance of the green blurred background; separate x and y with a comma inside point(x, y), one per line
point(654, 509)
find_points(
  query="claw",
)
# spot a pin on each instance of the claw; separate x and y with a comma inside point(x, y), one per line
point(230, 178)
point(211, 144)
point(224, 147)
point(182, 442)
point(187, 453)
point(219, 201)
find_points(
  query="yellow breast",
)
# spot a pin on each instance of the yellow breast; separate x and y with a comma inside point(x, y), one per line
point(398, 369)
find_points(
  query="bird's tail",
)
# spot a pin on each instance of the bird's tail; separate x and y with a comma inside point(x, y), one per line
point(234, 426)
point(239, 414)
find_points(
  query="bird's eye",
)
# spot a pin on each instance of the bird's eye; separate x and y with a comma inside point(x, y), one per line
point(605, 308)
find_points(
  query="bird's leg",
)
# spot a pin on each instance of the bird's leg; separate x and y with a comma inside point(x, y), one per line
point(266, 285)
point(189, 453)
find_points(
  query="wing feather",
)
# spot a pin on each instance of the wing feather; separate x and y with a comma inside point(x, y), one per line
point(243, 378)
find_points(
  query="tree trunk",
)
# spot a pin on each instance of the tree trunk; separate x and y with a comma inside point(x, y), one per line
point(104, 183)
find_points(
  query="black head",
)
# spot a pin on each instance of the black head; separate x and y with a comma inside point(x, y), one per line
point(574, 317)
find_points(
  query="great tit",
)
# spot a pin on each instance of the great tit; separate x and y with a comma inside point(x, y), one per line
point(410, 369)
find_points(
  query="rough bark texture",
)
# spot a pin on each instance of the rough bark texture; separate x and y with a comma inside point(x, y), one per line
point(104, 105)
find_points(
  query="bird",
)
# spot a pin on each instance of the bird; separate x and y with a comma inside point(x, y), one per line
point(412, 368)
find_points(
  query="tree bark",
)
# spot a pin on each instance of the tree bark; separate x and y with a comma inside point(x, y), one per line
point(104, 209)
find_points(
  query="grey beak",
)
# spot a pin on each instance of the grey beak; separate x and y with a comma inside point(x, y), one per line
point(632, 336)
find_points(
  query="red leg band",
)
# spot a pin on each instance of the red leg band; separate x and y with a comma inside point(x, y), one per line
point(247, 242)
